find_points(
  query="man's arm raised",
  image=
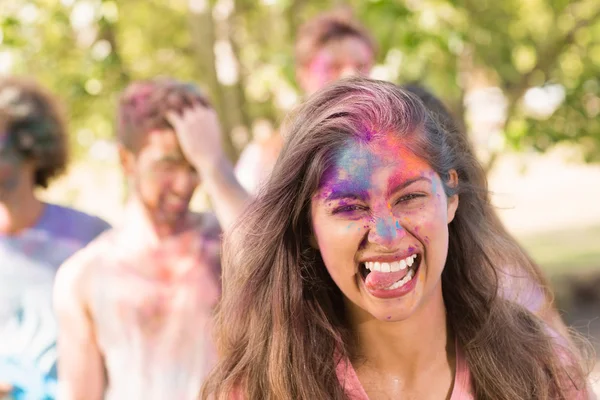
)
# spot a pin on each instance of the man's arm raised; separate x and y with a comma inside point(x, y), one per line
point(80, 364)
point(199, 135)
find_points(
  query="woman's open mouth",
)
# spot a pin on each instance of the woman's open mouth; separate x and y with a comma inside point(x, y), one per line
point(390, 279)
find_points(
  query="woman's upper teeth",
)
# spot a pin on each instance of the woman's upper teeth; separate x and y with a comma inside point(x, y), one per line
point(391, 267)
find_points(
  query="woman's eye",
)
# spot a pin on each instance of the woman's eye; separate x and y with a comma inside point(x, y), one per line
point(349, 208)
point(409, 197)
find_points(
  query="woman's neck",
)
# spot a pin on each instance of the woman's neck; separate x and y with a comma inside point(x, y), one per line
point(405, 348)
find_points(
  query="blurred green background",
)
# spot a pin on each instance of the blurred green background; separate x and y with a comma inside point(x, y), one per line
point(241, 52)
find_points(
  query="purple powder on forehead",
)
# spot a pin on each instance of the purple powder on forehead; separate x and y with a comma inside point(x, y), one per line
point(352, 169)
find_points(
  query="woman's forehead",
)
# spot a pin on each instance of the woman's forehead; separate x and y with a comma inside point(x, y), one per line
point(386, 160)
point(386, 150)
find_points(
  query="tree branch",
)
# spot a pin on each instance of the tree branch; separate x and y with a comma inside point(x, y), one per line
point(548, 57)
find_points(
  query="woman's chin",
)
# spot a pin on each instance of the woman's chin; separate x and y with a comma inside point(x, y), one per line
point(392, 315)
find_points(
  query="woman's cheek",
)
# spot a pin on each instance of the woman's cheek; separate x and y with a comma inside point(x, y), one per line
point(338, 241)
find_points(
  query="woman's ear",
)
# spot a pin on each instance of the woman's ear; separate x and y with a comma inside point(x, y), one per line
point(452, 200)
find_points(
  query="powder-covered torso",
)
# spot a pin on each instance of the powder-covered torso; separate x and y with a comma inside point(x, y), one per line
point(152, 309)
point(28, 264)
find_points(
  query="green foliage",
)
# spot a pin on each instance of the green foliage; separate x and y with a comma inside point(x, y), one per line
point(88, 50)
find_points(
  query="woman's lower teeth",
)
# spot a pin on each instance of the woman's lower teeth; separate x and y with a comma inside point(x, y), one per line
point(402, 281)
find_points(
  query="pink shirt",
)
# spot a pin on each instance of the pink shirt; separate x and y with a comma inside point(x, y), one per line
point(354, 390)
point(462, 389)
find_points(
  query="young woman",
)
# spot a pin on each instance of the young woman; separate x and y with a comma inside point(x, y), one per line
point(368, 268)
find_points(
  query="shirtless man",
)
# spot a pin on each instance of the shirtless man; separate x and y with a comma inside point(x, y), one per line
point(328, 47)
point(35, 237)
point(135, 306)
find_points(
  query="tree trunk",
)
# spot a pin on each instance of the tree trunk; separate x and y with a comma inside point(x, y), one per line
point(203, 41)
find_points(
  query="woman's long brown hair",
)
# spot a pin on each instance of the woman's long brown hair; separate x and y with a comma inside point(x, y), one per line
point(281, 326)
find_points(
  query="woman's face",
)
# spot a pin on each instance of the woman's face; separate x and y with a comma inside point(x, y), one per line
point(380, 219)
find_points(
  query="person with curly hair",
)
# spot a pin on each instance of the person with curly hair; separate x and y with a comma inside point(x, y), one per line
point(35, 237)
point(135, 307)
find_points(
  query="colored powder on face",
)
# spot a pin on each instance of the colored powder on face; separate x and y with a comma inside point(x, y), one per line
point(352, 171)
point(358, 160)
point(319, 68)
point(385, 228)
point(350, 225)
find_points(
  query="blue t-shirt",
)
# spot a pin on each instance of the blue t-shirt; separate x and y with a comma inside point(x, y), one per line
point(28, 264)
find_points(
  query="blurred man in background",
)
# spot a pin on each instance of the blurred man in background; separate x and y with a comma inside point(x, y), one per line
point(135, 306)
point(35, 237)
point(328, 47)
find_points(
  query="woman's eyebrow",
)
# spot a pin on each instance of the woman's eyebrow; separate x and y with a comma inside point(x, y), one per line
point(347, 195)
point(405, 183)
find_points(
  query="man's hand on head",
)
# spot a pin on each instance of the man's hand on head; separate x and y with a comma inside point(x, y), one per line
point(199, 134)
